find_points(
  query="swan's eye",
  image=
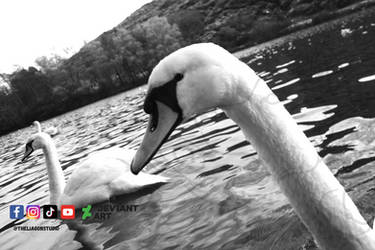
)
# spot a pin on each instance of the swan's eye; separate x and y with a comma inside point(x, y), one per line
point(154, 118)
point(29, 145)
point(151, 108)
point(178, 77)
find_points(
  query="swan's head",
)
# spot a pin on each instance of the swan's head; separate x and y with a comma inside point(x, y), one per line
point(189, 81)
point(36, 141)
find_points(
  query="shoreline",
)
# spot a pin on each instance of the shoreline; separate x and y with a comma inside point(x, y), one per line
point(328, 16)
point(306, 25)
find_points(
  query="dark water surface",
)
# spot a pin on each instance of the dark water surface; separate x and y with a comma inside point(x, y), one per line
point(220, 196)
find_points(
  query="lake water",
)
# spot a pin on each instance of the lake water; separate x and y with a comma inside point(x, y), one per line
point(219, 196)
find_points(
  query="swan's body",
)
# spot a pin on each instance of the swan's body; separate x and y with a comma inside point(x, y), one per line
point(103, 175)
point(203, 76)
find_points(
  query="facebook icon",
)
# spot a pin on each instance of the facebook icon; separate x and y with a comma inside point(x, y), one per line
point(16, 212)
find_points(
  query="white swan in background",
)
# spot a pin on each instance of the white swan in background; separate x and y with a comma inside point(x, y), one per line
point(346, 32)
point(52, 131)
point(200, 77)
point(105, 174)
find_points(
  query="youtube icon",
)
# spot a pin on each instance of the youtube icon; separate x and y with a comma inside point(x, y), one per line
point(67, 212)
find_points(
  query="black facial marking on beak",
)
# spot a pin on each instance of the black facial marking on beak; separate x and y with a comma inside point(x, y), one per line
point(28, 151)
point(165, 94)
point(165, 115)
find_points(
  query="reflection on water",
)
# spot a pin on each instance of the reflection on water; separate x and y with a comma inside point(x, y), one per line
point(367, 79)
point(220, 195)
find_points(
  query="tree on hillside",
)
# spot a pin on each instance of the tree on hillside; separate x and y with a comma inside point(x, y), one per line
point(48, 64)
point(143, 47)
point(113, 64)
point(190, 23)
point(250, 27)
point(155, 38)
point(31, 86)
point(95, 76)
point(4, 84)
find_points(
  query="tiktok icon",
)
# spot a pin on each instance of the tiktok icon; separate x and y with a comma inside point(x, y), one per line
point(50, 212)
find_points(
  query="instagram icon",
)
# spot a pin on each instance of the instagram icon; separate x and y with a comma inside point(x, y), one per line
point(33, 212)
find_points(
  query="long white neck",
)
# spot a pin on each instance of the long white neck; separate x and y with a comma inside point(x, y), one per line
point(55, 174)
point(315, 194)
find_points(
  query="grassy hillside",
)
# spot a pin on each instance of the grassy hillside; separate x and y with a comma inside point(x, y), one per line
point(237, 23)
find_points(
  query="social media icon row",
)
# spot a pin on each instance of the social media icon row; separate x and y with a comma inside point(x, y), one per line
point(49, 212)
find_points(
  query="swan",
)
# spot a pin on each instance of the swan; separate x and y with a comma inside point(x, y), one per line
point(103, 175)
point(203, 76)
point(52, 131)
point(346, 32)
